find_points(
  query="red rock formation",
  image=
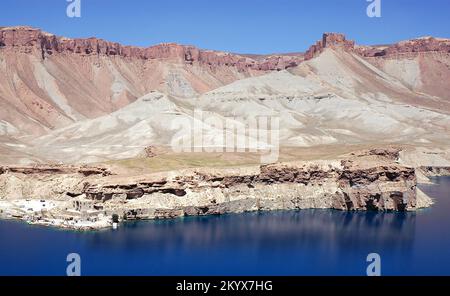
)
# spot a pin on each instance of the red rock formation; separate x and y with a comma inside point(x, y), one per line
point(329, 40)
point(26, 39)
point(335, 40)
point(429, 57)
point(47, 82)
point(427, 44)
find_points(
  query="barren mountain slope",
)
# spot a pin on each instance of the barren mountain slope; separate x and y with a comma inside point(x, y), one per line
point(48, 82)
point(88, 100)
point(334, 98)
point(422, 64)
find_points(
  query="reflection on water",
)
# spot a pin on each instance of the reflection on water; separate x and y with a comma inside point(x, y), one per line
point(307, 242)
point(324, 229)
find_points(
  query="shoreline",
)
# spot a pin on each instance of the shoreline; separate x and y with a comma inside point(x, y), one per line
point(368, 180)
point(108, 222)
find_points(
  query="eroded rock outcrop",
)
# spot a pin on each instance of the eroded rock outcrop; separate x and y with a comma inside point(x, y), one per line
point(55, 169)
point(27, 39)
point(366, 180)
point(409, 47)
point(359, 183)
point(329, 40)
point(434, 171)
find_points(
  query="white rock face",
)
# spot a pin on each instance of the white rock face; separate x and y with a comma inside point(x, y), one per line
point(334, 98)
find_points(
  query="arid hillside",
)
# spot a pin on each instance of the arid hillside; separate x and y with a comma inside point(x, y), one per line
point(89, 100)
point(47, 82)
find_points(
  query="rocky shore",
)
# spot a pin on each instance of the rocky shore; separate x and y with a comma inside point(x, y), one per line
point(86, 198)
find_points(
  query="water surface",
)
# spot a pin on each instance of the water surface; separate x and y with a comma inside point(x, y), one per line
point(307, 242)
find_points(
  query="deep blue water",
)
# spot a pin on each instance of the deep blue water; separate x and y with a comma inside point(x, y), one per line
point(308, 242)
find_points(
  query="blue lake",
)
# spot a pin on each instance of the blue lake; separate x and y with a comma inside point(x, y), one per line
point(308, 242)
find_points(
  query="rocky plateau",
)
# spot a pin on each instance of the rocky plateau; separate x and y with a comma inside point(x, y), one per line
point(87, 197)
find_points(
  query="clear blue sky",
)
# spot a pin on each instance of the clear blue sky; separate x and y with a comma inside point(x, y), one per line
point(244, 26)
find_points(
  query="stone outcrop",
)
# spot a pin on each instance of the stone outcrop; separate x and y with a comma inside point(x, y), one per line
point(27, 39)
point(409, 47)
point(390, 153)
point(55, 169)
point(367, 180)
point(274, 187)
point(329, 40)
point(357, 183)
point(434, 171)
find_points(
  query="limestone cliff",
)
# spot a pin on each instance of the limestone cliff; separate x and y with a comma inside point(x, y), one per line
point(372, 181)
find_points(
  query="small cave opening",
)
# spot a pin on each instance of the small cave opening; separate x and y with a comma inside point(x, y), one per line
point(400, 205)
point(136, 193)
point(177, 192)
point(370, 203)
point(392, 176)
point(349, 205)
point(203, 210)
point(72, 194)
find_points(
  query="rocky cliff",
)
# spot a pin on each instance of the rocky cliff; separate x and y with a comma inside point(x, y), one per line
point(421, 64)
point(412, 47)
point(364, 181)
point(342, 186)
point(408, 47)
point(329, 40)
point(26, 39)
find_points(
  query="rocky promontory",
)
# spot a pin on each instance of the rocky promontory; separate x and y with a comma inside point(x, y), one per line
point(409, 47)
point(369, 181)
point(329, 40)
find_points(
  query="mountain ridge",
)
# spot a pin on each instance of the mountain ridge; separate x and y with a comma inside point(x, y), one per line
point(78, 99)
point(48, 43)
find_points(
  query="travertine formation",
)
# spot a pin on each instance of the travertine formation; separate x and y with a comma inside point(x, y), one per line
point(364, 181)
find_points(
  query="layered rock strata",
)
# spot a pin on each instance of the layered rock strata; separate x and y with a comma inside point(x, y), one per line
point(84, 170)
point(434, 171)
point(411, 47)
point(342, 186)
point(329, 40)
point(27, 39)
point(368, 181)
